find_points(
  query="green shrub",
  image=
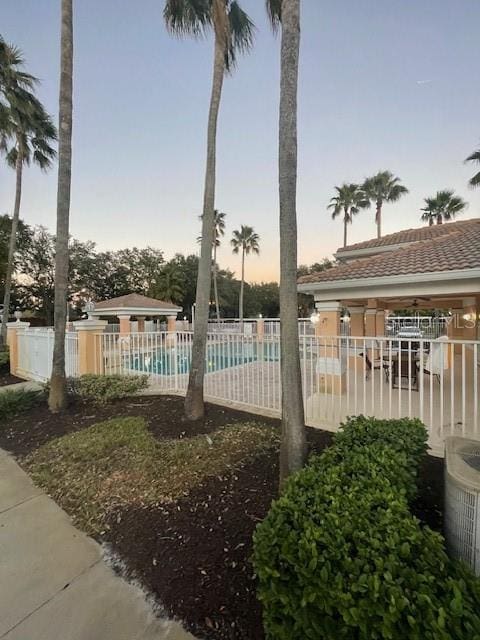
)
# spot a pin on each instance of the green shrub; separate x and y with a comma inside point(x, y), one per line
point(339, 556)
point(103, 389)
point(4, 361)
point(15, 401)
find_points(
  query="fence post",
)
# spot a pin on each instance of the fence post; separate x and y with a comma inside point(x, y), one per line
point(331, 363)
point(12, 342)
point(87, 345)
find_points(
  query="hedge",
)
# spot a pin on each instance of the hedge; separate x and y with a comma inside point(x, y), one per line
point(102, 389)
point(339, 556)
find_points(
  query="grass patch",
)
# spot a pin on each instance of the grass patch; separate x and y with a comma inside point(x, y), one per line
point(120, 462)
point(13, 402)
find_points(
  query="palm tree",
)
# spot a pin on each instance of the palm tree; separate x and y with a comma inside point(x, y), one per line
point(219, 231)
point(170, 285)
point(26, 122)
point(245, 241)
point(383, 187)
point(58, 388)
point(233, 32)
point(442, 207)
point(349, 199)
point(293, 444)
point(475, 158)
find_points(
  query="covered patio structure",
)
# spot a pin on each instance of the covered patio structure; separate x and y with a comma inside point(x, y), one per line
point(433, 268)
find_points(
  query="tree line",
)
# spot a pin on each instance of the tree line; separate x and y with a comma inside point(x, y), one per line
point(101, 275)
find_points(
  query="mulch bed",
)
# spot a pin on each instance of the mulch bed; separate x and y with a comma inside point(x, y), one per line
point(6, 378)
point(194, 555)
point(164, 415)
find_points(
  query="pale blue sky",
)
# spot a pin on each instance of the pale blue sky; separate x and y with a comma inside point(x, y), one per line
point(141, 100)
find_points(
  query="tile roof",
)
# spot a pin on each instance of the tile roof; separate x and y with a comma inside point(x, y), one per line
point(134, 301)
point(412, 235)
point(455, 249)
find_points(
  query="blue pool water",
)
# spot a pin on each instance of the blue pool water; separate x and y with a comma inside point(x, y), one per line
point(177, 359)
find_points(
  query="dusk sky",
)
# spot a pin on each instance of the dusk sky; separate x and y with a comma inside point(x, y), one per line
point(384, 84)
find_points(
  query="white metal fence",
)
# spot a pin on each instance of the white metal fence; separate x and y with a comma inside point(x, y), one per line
point(428, 327)
point(436, 381)
point(35, 352)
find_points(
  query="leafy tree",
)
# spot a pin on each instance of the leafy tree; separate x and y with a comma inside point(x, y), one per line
point(305, 301)
point(24, 233)
point(36, 274)
point(475, 159)
point(58, 383)
point(245, 241)
point(383, 187)
point(170, 285)
point(349, 200)
point(293, 446)
point(262, 298)
point(37, 270)
point(442, 207)
point(31, 129)
point(233, 32)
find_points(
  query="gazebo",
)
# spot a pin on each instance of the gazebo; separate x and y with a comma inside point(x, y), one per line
point(134, 305)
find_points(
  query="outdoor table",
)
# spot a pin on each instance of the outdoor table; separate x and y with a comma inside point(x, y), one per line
point(405, 366)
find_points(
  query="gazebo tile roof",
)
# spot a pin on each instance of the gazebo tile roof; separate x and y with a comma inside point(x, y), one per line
point(134, 301)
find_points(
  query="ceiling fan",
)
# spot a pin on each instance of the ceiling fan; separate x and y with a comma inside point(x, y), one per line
point(415, 302)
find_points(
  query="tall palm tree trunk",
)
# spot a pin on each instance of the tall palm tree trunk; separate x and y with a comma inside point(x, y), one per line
point(242, 286)
point(439, 219)
point(293, 447)
point(215, 282)
point(378, 218)
point(194, 407)
point(345, 227)
point(13, 242)
point(58, 388)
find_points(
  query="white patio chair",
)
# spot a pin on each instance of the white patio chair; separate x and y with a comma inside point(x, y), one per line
point(438, 359)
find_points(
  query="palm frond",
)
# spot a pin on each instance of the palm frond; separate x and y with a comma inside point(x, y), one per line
point(187, 17)
point(241, 34)
point(444, 206)
point(475, 158)
point(274, 11)
point(246, 240)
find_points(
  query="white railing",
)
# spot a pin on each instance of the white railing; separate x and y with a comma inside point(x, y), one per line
point(271, 326)
point(35, 353)
point(435, 381)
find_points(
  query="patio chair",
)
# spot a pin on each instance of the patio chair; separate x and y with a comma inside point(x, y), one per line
point(438, 358)
point(377, 363)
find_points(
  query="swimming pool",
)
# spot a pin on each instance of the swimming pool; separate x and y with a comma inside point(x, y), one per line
point(171, 360)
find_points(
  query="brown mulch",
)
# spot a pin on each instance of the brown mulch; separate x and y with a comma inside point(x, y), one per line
point(31, 429)
point(6, 378)
point(194, 555)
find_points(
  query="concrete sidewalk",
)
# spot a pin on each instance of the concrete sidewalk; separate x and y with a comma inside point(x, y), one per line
point(54, 584)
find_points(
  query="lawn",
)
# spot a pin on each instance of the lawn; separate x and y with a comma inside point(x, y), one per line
point(176, 503)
